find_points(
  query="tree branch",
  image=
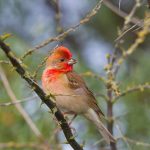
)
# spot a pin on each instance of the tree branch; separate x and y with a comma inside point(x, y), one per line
point(14, 145)
point(18, 101)
point(87, 18)
point(45, 99)
point(122, 14)
point(18, 105)
point(133, 89)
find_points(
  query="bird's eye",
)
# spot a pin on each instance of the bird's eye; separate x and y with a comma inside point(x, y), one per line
point(62, 59)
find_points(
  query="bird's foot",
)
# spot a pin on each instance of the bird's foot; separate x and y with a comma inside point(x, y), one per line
point(69, 123)
point(58, 129)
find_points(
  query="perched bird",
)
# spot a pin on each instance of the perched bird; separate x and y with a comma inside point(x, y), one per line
point(70, 90)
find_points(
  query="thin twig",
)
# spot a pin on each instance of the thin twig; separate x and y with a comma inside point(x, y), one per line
point(61, 36)
point(133, 89)
point(141, 35)
point(4, 62)
point(121, 13)
point(137, 143)
point(58, 15)
point(14, 145)
point(127, 20)
point(39, 67)
point(18, 105)
point(122, 136)
point(18, 101)
point(92, 74)
point(125, 32)
point(134, 142)
point(102, 96)
point(148, 1)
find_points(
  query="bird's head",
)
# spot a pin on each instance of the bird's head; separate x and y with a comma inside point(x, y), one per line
point(60, 59)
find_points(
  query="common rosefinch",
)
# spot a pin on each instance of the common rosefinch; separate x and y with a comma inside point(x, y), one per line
point(70, 90)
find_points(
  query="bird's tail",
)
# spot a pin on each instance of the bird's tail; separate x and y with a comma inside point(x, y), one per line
point(92, 116)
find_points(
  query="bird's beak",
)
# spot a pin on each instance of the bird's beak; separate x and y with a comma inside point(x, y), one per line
point(72, 61)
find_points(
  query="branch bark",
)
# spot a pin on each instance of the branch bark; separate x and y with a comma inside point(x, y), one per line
point(121, 13)
point(45, 99)
point(133, 89)
point(110, 116)
point(61, 36)
point(18, 105)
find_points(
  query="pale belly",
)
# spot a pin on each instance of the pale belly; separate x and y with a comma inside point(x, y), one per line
point(72, 103)
point(66, 98)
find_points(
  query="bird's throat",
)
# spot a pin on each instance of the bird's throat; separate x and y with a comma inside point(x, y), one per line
point(53, 74)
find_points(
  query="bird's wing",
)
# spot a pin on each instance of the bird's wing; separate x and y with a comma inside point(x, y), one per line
point(76, 82)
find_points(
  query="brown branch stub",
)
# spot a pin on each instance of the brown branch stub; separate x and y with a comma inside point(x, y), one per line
point(45, 99)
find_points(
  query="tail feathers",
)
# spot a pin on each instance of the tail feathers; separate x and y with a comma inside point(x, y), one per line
point(92, 116)
point(105, 133)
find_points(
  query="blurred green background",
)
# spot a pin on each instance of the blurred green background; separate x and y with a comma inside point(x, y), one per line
point(30, 23)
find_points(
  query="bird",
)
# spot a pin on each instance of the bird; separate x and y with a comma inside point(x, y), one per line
point(70, 90)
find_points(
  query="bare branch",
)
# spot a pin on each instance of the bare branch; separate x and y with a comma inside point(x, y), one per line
point(18, 105)
point(133, 89)
point(4, 62)
point(122, 136)
point(148, 1)
point(92, 74)
point(141, 35)
point(134, 142)
point(15, 145)
point(137, 143)
point(127, 20)
point(121, 13)
point(61, 36)
point(18, 101)
point(55, 5)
